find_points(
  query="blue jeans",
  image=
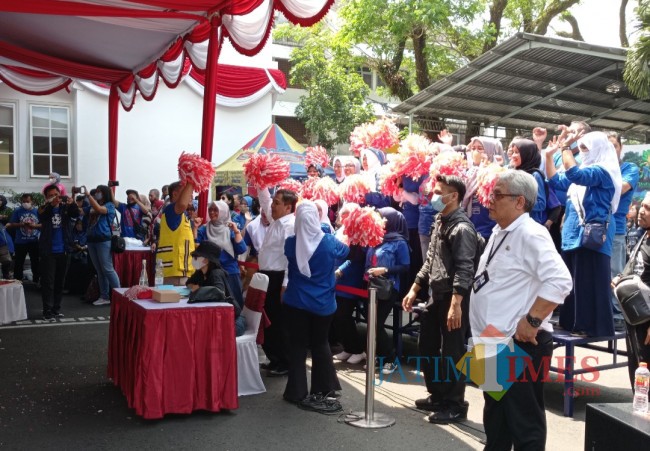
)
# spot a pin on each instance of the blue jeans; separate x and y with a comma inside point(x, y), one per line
point(100, 255)
point(617, 265)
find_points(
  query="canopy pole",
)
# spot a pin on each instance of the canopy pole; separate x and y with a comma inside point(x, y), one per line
point(113, 115)
point(209, 103)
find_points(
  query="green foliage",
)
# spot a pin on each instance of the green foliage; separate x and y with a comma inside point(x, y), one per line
point(637, 65)
point(335, 102)
point(13, 197)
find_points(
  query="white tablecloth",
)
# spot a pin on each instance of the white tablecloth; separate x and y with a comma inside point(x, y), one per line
point(12, 303)
point(150, 304)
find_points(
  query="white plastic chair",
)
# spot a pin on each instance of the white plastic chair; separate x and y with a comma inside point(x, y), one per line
point(248, 361)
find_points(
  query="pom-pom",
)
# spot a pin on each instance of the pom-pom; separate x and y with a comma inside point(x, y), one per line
point(448, 163)
point(316, 155)
point(265, 170)
point(354, 189)
point(389, 179)
point(487, 177)
point(308, 187)
point(364, 226)
point(195, 170)
point(418, 152)
point(382, 134)
point(291, 185)
point(326, 189)
point(138, 292)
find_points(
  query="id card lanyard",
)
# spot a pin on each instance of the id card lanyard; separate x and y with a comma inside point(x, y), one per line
point(483, 278)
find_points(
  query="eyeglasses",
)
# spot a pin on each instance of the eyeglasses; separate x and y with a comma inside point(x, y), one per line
point(499, 196)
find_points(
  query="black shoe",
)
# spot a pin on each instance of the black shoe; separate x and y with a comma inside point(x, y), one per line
point(321, 404)
point(449, 415)
point(619, 325)
point(59, 315)
point(277, 371)
point(48, 317)
point(430, 405)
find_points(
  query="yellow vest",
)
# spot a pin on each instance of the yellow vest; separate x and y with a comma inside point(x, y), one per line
point(175, 248)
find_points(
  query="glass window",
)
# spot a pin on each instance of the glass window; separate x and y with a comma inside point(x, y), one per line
point(7, 139)
point(50, 133)
point(366, 73)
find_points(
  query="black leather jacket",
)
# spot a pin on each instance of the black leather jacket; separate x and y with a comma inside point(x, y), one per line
point(449, 263)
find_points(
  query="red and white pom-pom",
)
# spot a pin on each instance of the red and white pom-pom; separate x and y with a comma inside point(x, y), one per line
point(308, 187)
point(364, 226)
point(265, 170)
point(389, 179)
point(418, 153)
point(385, 134)
point(354, 189)
point(196, 170)
point(316, 155)
point(291, 185)
point(487, 178)
point(326, 189)
point(360, 139)
point(448, 163)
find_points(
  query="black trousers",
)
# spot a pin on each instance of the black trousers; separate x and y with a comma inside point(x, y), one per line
point(275, 334)
point(53, 268)
point(442, 348)
point(21, 251)
point(345, 326)
point(385, 346)
point(306, 330)
point(637, 351)
point(519, 418)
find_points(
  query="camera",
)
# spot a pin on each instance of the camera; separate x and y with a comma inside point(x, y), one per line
point(64, 199)
point(80, 198)
point(112, 183)
point(78, 190)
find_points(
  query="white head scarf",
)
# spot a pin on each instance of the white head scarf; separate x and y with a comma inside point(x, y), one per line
point(601, 153)
point(341, 160)
point(324, 219)
point(308, 235)
point(218, 231)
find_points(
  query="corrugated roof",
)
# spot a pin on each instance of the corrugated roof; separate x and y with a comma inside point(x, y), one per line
point(532, 80)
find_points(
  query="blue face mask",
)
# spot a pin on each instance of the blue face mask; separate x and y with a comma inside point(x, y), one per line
point(437, 203)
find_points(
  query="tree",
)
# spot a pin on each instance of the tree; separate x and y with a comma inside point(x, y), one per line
point(335, 102)
point(637, 65)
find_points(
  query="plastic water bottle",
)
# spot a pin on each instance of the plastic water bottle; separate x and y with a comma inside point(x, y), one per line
point(641, 384)
point(144, 279)
point(159, 273)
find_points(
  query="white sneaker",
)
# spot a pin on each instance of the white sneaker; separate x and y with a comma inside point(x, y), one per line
point(342, 356)
point(101, 301)
point(357, 358)
point(389, 368)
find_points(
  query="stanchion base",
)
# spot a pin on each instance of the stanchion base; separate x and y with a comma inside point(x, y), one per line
point(379, 421)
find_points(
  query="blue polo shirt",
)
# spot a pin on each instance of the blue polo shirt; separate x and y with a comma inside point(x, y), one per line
point(23, 234)
point(630, 174)
point(228, 262)
point(557, 161)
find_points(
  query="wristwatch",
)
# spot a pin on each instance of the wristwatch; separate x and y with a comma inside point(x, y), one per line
point(535, 322)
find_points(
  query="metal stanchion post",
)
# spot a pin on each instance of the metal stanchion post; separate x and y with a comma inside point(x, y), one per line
point(369, 419)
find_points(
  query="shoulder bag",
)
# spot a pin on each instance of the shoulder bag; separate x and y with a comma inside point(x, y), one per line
point(594, 234)
point(118, 245)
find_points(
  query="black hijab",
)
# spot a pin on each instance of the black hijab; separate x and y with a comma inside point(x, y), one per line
point(529, 154)
point(396, 228)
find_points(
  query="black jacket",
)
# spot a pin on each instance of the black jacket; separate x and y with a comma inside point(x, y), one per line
point(45, 216)
point(449, 264)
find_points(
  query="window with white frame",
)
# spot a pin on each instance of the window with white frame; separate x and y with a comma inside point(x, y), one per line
point(50, 138)
point(7, 140)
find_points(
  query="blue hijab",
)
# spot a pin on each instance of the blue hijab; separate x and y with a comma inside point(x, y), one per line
point(396, 228)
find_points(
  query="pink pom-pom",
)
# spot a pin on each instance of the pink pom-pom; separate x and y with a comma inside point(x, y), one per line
point(364, 226)
point(354, 189)
point(389, 180)
point(266, 170)
point(291, 185)
point(385, 134)
point(448, 163)
point(195, 170)
point(487, 177)
point(316, 155)
point(418, 153)
point(308, 188)
point(326, 189)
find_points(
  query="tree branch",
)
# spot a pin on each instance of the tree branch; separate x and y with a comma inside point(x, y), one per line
point(575, 34)
point(496, 14)
point(422, 78)
point(622, 25)
point(554, 8)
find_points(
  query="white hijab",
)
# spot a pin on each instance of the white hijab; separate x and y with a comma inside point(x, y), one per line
point(341, 160)
point(218, 231)
point(601, 153)
point(324, 219)
point(308, 235)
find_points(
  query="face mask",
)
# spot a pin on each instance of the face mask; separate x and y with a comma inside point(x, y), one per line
point(199, 262)
point(98, 196)
point(437, 203)
point(27, 205)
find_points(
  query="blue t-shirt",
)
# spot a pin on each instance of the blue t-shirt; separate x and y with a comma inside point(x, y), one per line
point(58, 244)
point(389, 255)
point(173, 219)
point(480, 217)
point(596, 204)
point(411, 212)
point(630, 174)
point(557, 161)
point(129, 216)
point(427, 214)
point(101, 229)
point(228, 262)
point(538, 212)
point(314, 294)
point(25, 235)
point(352, 269)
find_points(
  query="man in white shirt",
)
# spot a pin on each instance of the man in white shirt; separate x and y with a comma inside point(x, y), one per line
point(519, 281)
point(273, 263)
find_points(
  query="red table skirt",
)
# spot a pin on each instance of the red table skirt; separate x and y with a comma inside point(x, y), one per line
point(175, 360)
point(128, 266)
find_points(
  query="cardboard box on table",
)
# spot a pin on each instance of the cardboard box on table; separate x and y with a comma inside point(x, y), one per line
point(159, 295)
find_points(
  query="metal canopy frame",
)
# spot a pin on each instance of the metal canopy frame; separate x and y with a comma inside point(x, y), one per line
point(532, 80)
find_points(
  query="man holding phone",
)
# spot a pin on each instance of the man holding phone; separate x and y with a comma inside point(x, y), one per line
point(25, 221)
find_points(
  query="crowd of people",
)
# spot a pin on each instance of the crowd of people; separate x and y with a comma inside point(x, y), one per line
point(466, 265)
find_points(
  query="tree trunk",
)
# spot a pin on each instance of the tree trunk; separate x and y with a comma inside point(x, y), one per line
point(422, 78)
point(496, 14)
point(391, 76)
point(575, 34)
point(554, 8)
point(622, 26)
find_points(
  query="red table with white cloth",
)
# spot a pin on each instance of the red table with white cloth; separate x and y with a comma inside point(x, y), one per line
point(128, 265)
point(173, 357)
point(12, 302)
